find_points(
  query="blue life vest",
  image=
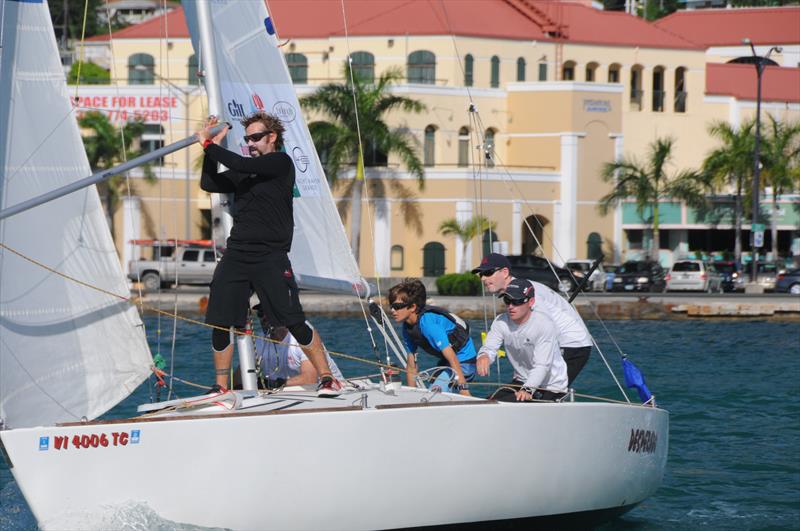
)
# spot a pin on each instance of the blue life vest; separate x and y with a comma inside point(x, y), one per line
point(458, 336)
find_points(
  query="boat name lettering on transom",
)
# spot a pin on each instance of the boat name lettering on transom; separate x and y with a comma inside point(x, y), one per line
point(90, 440)
point(643, 441)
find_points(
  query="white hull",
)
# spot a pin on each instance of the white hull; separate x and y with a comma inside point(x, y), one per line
point(354, 468)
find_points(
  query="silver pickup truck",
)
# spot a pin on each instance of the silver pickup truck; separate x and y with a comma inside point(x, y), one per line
point(189, 265)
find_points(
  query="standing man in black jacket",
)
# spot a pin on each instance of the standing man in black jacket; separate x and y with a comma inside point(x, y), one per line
point(257, 250)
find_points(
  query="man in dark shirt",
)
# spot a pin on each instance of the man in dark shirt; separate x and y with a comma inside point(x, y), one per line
point(257, 249)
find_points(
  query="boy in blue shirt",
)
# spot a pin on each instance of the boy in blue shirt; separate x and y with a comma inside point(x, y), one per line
point(437, 332)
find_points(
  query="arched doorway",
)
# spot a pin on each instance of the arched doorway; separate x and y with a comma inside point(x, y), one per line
point(529, 240)
point(433, 259)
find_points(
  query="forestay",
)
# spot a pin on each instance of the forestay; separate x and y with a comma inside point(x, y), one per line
point(66, 350)
point(253, 76)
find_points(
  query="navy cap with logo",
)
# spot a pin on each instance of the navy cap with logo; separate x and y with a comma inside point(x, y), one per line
point(492, 261)
point(518, 291)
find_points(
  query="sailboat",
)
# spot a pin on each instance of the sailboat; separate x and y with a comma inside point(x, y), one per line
point(70, 349)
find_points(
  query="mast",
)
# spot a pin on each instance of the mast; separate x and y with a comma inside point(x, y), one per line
point(221, 220)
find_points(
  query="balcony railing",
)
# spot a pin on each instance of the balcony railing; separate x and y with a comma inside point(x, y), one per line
point(636, 99)
point(680, 101)
point(658, 100)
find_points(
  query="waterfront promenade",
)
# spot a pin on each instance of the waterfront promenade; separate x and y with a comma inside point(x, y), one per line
point(591, 305)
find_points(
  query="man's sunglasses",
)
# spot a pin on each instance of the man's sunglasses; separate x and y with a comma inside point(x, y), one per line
point(515, 302)
point(255, 137)
point(489, 272)
point(399, 305)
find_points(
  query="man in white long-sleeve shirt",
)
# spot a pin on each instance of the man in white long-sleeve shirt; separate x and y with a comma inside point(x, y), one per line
point(530, 339)
point(573, 336)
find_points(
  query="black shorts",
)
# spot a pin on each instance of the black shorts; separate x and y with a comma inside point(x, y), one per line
point(269, 274)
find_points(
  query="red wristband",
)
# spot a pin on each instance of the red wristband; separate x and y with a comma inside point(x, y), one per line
point(207, 142)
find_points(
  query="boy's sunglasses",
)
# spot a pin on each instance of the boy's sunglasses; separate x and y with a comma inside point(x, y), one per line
point(488, 272)
point(399, 305)
point(255, 137)
point(515, 302)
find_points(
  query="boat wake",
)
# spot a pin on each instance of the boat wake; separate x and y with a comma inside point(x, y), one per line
point(131, 517)
point(15, 515)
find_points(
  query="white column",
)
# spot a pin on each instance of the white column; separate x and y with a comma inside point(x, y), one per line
point(618, 153)
point(383, 236)
point(516, 228)
point(463, 214)
point(566, 221)
point(131, 230)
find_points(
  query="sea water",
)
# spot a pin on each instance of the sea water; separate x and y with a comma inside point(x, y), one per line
point(731, 387)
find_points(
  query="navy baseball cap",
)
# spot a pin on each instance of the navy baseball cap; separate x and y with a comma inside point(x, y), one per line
point(518, 290)
point(492, 261)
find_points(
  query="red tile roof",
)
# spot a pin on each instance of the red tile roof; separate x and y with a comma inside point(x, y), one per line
point(740, 81)
point(727, 27)
point(476, 18)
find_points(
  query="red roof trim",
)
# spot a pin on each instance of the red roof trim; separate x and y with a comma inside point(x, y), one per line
point(779, 84)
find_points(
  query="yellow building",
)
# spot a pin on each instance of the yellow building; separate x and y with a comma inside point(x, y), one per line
point(557, 89)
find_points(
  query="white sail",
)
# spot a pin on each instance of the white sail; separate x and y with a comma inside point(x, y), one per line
point(66, 350)
point(253, 76)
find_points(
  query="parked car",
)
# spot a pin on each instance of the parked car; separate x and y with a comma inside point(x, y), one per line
point(694, 275)
point(640, 275)
point(765, 274)
point(788, 282)
point(186, 265)
point(732, 276)
point(579, 268)
point(538, 269)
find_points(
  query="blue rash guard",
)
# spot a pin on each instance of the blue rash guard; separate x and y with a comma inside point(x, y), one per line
point(435, 329)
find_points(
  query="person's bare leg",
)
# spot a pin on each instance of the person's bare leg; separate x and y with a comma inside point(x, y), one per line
point(222, 365)
point(316, 355)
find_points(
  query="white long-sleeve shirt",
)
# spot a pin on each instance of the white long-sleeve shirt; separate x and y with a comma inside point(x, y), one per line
point(572, 332)
point(532, 349)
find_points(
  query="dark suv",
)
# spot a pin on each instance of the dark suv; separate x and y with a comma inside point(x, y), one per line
point(640, 275)
point(732, 277)
point(536, 268)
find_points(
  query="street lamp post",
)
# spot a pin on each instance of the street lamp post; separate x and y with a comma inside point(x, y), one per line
point(760, 63)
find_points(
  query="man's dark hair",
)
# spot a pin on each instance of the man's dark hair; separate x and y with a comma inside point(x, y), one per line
point(413, 291)
point(272, 123)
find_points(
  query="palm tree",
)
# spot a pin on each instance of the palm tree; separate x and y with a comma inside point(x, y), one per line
point(465, 232)
point(649, 183)
point(104, 149)
point(731, 165)
point(338, 143)
point(781, 159)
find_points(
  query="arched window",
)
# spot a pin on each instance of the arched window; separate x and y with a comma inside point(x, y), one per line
point(520, 69)
point(680, 89)
point(363, 66)
point(429, 146)
point(530, 242)
point(591, 68)
point(495, 75)
point(568, 71)
point(489, 238)
point(421, 67)
point(488, 150)
point(469, 64)
point(658, 89)
point(594, 246)
point(463, 146)
point(192, 68)
point(636, 88)
point(141, 69)
point(396, 258)
point(298, 67)
point(433, 259)
point(613, 72)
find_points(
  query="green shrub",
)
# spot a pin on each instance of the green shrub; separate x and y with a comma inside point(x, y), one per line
point(458, 284)
point(91, 74)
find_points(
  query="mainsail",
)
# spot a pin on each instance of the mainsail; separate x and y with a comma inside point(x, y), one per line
point(252, 76)
point(66, 350)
